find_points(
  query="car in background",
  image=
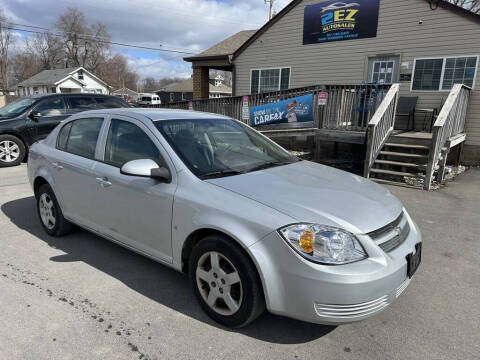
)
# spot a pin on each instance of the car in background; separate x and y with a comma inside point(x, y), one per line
point(252, 225)
point(29, 119)
point(149, 99)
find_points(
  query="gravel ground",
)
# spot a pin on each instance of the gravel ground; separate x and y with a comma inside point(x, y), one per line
point(82, 297)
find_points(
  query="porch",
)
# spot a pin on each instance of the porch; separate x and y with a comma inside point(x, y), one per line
point(365, 117)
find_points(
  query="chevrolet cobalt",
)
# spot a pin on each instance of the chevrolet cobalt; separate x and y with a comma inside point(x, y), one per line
point(253, 226)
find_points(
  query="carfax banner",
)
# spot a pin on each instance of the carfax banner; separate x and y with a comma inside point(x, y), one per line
point(297, 109)
point(336, 21)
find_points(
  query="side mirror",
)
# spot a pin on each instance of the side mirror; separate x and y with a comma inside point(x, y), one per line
point(34, 115)
point(146, 168)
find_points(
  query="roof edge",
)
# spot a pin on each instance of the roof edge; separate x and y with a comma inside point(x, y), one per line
point(442, 3)
point(207, 57)
point(266, 26)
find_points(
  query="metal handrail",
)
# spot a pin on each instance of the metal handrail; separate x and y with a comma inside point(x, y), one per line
point(450, 122)
point(380, 127)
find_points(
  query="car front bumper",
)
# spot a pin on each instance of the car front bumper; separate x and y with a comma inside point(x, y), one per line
point(332, 294)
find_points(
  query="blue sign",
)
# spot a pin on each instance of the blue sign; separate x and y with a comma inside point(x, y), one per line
point(297, 109)
point(336, 21)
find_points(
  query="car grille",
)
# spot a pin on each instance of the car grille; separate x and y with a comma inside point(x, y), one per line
point(392, 235)
point(351, 311)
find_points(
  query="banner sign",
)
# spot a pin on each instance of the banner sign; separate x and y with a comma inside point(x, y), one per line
point(298, 109)
point(335, 21)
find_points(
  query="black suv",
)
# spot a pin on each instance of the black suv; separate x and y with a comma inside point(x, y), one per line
point(30, 119)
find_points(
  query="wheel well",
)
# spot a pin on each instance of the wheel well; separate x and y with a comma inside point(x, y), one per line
point(39, 181)
point(198, 235)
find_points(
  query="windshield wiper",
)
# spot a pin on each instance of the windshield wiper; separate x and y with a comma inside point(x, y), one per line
point(269, 165)
point(220, 173)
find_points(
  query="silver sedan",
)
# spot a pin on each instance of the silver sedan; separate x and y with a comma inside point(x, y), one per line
point(253, 226)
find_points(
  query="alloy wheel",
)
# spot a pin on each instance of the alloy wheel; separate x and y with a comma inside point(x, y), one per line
point(219, 283)
point(47, 211)
point(9, 151)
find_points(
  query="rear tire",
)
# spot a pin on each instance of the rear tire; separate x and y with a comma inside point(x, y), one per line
point(225, 281)
point(12, 150)
point(50, 214)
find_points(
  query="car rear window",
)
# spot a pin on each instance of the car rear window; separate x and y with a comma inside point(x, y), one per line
point(108, 102)
point(82, 137)
point(81, 103)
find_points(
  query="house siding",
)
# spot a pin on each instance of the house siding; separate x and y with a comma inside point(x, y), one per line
point(442, 33)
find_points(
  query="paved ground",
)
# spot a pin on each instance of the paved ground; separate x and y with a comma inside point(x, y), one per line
point(82, 297)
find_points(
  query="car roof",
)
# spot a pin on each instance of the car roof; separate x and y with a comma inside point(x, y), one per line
point(156, 114)
point(38, 96)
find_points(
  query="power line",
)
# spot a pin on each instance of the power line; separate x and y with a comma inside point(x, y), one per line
point(85, 35)
point(102, 41)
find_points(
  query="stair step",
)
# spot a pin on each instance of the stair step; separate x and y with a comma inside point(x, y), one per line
point(400, 163)
point(393, 153)
point(396, 183)
point(392, 172)
point(408, 146)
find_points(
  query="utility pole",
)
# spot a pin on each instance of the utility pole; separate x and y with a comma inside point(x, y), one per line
point(271, 8)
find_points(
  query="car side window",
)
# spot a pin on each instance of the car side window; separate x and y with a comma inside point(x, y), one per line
point(108, 102)
point(63, 136)
point(53, 106)
point(126, 142)
point(82, 137)
point(81, 103)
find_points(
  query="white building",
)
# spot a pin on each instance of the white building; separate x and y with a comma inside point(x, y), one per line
point(68, 80)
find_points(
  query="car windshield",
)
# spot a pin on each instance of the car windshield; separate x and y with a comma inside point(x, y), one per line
point(221, 147)
point(17, 107)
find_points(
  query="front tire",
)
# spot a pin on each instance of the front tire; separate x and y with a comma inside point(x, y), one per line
point(12, 150)
point(225, 282)
point(50, 214)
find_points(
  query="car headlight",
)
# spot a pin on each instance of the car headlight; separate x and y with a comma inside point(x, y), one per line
point(323, 244)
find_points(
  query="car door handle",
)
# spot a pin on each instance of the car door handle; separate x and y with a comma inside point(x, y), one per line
point(57, 166)
point(103, 181)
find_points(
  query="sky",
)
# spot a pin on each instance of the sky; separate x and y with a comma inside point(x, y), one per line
point(184, 25)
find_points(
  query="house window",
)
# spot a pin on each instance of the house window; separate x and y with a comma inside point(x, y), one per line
point(80, 74)
point(264, 80)
point(442, 73)
point(383, 72)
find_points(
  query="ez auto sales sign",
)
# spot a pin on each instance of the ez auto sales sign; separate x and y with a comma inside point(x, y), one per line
point(336, 21)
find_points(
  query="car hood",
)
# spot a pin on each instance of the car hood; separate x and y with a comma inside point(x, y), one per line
point(310, 192)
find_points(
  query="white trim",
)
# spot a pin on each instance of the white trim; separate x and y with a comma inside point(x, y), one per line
point(270, 68)
point(92, 75)
point(70, 77)
point(444, 58)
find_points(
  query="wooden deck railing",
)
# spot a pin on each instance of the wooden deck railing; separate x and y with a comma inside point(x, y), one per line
point(450, 122)
point(380, 127)
point(349, 107)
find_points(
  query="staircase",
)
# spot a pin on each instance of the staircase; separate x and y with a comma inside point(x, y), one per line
point(411, 158)
point(403, 160)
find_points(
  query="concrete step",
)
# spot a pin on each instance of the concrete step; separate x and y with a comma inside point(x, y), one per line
point(395, 183)
point(402, 154)
point(400, 163)
point(392, 172)
point(408, 146)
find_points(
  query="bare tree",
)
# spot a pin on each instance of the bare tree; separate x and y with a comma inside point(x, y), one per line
point(84, 46)
point(471, 5)
point(47, 50)
point(117, 72)
point(6, 41)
